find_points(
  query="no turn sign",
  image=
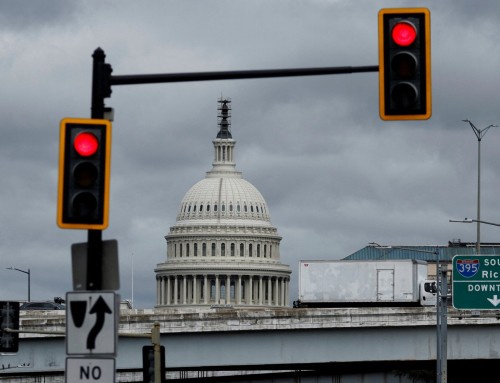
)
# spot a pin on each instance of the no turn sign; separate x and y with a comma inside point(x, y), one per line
point(89, 370)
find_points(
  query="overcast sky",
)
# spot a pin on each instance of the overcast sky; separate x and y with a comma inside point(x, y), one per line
point(335, 177)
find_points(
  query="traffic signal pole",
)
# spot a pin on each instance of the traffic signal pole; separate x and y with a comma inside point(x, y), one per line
point(94, 237)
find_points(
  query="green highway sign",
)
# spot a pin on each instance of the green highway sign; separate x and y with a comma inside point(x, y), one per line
point(476, 282)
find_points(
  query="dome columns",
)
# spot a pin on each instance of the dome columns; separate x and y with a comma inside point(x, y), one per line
point(222, 289)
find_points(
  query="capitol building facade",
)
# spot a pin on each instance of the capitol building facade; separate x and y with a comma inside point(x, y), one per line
point(223, 249)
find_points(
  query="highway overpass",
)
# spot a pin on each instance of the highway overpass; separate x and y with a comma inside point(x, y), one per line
point(266, 344)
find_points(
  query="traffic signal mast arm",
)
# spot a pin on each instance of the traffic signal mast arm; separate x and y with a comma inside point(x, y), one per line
point(236, 75)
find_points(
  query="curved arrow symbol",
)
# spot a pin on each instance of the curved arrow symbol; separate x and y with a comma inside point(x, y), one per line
point(494, 301)
point(100, 308)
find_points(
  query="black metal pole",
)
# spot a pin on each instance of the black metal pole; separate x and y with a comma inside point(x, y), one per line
point(236, 75)
point(94, 237)
point(29, 285)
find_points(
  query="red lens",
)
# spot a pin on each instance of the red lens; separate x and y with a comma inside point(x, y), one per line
point(86, 144)
point(404, 33)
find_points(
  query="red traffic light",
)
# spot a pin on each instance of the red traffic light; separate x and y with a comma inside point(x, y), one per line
point(86, 144)
point(404, 64)
point(404, 33)
point(84, 171)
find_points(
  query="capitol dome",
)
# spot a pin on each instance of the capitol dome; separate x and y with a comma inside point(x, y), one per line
point(229, 198)
point(223, 249)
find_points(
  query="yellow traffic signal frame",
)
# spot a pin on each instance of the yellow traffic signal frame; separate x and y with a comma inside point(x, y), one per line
point(65, 122)
point(382, 69)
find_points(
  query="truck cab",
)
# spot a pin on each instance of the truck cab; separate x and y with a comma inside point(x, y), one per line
point(428, 292)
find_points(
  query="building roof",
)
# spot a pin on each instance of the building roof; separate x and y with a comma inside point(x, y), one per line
point(423, 253)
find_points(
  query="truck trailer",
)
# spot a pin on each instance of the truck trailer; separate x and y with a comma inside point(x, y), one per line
point(343, 283)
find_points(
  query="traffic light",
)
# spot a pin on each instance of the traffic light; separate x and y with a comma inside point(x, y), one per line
point(148, 364)
point(84, 172)
point(405, 64)
point(9, 319)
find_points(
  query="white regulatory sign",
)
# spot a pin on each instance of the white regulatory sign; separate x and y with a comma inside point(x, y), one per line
point(90, 370)
point(91, 323)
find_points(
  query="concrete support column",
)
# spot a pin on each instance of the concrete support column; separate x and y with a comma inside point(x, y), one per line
point(158, 291)
point(205, 287)
point(176, 289)
point(217, 290)
point(184, 289)
point(195, 290)
point(284, 300)
point(276, 291)
point(228, 289)
point(169, 290)
point(189, 289)
point(250, 290)
point(282, 291)
point(269, 291)
point(163, 289)
point(285, 303)
point(260, 290)
point(238, 291)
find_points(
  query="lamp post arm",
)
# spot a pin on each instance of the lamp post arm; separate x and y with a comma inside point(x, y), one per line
point(22, 271)
point(488, 223)
point(28, 273)
point(468, 220)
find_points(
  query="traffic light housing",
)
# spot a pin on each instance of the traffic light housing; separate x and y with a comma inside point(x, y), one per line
point(405, 64)
point(148, 364)
point(84, 172)
point(9, 319)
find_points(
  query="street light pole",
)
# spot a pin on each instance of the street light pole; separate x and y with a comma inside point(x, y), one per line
point(441, 312)
point(29, 279)
point(479, 134)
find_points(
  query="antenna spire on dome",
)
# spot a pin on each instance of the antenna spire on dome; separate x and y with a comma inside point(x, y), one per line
point(224, 117)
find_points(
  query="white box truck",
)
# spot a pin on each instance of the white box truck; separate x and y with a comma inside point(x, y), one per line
point(344, 283)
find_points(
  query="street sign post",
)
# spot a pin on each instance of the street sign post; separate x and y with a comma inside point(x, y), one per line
point(91, 323)
point(476, 282)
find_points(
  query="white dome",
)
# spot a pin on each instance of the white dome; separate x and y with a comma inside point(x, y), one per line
point(225, 198)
